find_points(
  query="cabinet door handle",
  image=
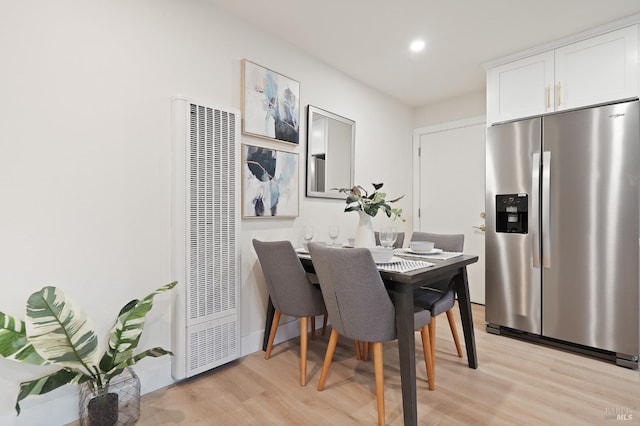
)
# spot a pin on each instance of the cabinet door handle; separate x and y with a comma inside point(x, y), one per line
point(559, 90)
point(548, 96)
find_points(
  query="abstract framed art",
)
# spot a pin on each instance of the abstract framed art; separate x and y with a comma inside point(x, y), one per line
point(270, 104)
point(270, 183)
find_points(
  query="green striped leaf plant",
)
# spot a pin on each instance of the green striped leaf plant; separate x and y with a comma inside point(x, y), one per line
point(57, 331)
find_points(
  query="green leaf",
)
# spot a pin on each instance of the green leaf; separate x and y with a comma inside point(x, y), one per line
point(153, 352)
point(14, 344)
point(48, 383)
point(60, 331)
point(127, 330)
point(371, 209)
point(387, 209)
point(378, 197)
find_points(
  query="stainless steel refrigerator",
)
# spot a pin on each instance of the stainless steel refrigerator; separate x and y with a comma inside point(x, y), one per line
point(562, 229)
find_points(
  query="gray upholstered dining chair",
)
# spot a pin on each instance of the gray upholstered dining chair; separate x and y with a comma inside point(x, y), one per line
point(291, 292)
point(361, 309)
point(397, 244)
point(439, 297)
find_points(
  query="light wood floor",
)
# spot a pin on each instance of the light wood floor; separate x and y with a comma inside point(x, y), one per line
point(516, 383)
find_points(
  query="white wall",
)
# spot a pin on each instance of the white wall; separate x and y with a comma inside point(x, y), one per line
point(85, 127)
point(453, 109)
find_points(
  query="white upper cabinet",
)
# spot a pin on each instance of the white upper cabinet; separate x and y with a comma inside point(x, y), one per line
point(520, 89)
point(599, 69)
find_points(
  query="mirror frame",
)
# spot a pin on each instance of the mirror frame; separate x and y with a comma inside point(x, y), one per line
point(311, 112)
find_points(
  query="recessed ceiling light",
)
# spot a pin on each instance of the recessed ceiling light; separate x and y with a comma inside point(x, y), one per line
point(417, 45)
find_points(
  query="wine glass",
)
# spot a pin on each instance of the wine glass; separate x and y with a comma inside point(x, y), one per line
point(334, 231)
point(307, 234)
point(388, 237)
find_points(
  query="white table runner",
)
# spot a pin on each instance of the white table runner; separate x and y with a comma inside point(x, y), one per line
point(397, 265)
point(404, 265)
point(445, 255)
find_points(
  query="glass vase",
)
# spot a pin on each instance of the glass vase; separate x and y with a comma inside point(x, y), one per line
point(117, 404)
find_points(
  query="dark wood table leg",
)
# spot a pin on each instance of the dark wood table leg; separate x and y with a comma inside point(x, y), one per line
point(267, 325)
point(464, 303)
point(406, 351)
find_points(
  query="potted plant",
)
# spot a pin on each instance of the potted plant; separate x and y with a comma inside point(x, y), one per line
point(367, 205)
point(57, 331)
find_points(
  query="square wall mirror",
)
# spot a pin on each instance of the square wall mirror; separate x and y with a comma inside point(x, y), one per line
point(330, 153)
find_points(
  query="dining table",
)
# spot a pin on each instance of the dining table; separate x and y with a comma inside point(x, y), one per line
point(403, 284)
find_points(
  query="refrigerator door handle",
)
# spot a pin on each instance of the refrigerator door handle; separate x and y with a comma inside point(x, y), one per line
point(535, 209)
point(546, 208)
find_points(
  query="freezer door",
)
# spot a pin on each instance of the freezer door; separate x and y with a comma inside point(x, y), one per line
point(512, 258)
point(590, 228)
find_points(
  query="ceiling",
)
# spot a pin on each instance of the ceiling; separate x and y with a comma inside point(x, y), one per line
point(368, 39)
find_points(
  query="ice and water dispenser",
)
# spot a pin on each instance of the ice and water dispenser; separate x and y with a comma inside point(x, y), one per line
point(512, 213)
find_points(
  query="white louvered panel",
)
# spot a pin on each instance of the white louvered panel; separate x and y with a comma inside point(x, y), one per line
point(212, 232)
point(212, 343)
point(199, 234)
point(206, 169)
point(224, 211)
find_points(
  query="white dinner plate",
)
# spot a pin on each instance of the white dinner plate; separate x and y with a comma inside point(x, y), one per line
point(433, 251)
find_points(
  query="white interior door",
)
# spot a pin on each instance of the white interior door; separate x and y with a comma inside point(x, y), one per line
point(451, 182)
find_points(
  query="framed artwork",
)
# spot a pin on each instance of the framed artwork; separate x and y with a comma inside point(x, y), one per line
point(269, 183)
point(270, 104)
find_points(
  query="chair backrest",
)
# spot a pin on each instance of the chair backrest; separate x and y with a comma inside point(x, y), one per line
point(397, 244)
point(291, 291)
point(446, 242)
point(356, 299)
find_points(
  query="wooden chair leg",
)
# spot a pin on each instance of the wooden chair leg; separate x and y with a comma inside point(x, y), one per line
point(304, 332)
point(378, 369)
point(272, 334)
point(313, 328)
point(454, 331)
point(331, 348)
point(357, 345)
point(365, 350)
point(428, 356)
point(324, 324)
point(432, 337)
